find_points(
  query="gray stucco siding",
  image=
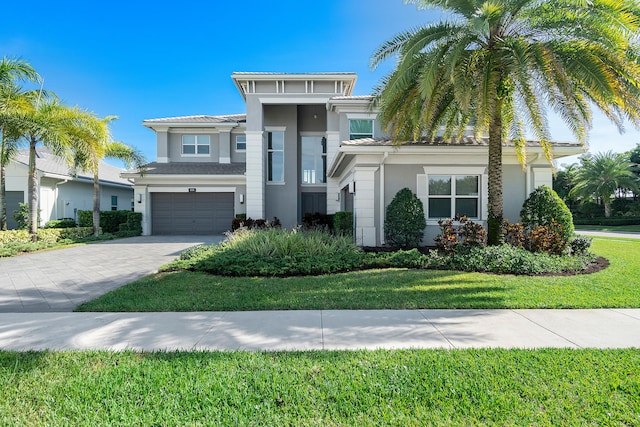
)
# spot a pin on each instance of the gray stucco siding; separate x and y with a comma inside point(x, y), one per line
point(513, 191)
point(175, 147)
point(281, 199)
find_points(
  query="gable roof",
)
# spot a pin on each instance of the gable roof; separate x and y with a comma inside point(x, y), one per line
point(50, 164)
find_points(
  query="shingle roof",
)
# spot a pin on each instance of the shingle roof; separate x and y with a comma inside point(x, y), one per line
point(465, 141)
point(231, 118)
point(47, 162)
point(194, 168)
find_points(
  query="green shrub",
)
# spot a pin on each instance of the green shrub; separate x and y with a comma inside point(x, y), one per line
point(580, 245)
point(250, 223)
point(590, 210)
point(621, 220)
point(542, 207)
point(21, 216)
point(60, 223)
point(343, 223)
point(506, 259)
point(14, 236)
point(396, 259)
point(404, 223)
point(76, 233)
point(85, 218)
point(464, 233)
point(273, 252)
point(317, 221)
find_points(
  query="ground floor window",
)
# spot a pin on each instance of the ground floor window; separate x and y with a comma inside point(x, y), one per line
point(114, 203)
point(451, 195)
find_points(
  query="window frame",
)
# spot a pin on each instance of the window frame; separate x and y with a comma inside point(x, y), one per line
point(361, 135)
point(270, 152)
point(195, 145)
point(453, 197)
point(241, 150)
point(319, 158)
point(114, 206)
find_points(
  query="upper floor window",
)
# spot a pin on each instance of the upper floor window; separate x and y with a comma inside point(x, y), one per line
point(275, 156)
point(196, 144)
point(314, 159)
point(451, 195)
point(114, 203)
point(360, 128)
point(241, 142)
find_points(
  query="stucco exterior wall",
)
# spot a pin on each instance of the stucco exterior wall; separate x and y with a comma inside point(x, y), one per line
point(175, 146)
point(513, 191)
point(281, 198)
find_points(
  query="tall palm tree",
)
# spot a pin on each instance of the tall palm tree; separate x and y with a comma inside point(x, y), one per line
point(602, 175)
point(12, 71)
point(54, 125)
point(94, 143)
point(499, 65)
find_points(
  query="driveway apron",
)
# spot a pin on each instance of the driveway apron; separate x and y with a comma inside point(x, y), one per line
point(60, 280)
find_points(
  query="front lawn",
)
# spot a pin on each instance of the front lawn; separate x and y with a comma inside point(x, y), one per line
point(613, 228)
point(409, 387)
point(616, 286)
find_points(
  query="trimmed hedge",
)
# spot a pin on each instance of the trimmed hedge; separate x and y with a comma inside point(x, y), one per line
point(60, 223)
point(48, 235)
point(619, 220)
point(126, 222)
point(343, 223)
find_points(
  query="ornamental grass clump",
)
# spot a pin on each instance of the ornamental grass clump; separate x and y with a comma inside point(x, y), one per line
point(275, 252)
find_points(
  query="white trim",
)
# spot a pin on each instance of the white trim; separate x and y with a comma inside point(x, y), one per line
point(362, 116)
point(275, 129)
point(200, 189)
point(455, 170)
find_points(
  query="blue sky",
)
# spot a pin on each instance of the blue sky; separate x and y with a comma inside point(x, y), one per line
point(140, 59)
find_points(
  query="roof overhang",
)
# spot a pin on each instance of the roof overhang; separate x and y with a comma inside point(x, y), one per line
point(239, 78)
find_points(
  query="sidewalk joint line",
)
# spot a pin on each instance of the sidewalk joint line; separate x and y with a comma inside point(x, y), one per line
point(545, 328)
point(436, 328)
point(322, 328)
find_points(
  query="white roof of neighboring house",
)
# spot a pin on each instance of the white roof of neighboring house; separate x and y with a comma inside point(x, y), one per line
point(49, 164)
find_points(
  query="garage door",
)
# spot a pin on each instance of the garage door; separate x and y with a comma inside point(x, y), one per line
point(191, 213)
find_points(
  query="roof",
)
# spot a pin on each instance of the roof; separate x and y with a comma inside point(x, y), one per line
point(49, 163)
point(230, 118)
point(270, 74)
point(194, 168)
point(465, 141)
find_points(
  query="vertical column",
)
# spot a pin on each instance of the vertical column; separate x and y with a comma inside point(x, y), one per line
point(364, 205)
point(163, 144)
point(225, 146)
point(333, 143)
point(142, 204)
point(255, 201)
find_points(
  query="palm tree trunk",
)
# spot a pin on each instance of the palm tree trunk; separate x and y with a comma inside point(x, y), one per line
point(607, 208)
point(494, 220)
point(32, 189)
point(96, 205)
point(3, 198)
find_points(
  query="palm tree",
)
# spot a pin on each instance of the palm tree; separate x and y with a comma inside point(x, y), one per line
point(499, 65)
point(12, 100)
point(602, 175)
point(53, 125)
point(93, 144)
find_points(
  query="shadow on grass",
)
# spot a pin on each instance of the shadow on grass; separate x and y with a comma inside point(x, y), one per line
point(372, 289)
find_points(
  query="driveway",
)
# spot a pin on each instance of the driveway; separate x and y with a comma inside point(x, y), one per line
point(60, 280)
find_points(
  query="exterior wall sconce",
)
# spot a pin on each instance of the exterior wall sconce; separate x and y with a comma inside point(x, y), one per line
point(338, 196)
point(241, 198)
point(139, 197)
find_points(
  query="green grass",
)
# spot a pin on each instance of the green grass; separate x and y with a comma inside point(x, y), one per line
point(616, 286)
point(614, 228)
point(409, 387)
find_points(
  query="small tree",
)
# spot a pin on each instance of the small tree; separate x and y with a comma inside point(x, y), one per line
point(543, 207)
point(404, 223)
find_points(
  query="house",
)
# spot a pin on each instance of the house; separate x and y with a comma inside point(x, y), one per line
point(61, 194)
point(305, 145)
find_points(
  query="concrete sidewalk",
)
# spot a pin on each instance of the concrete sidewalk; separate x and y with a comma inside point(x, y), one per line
point(322, 330)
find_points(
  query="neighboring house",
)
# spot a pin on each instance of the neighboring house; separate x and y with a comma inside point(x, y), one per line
point(62, 195)
point(307, 145)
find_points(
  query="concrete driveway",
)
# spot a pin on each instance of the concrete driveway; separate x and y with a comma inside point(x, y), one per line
point(60, 280)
